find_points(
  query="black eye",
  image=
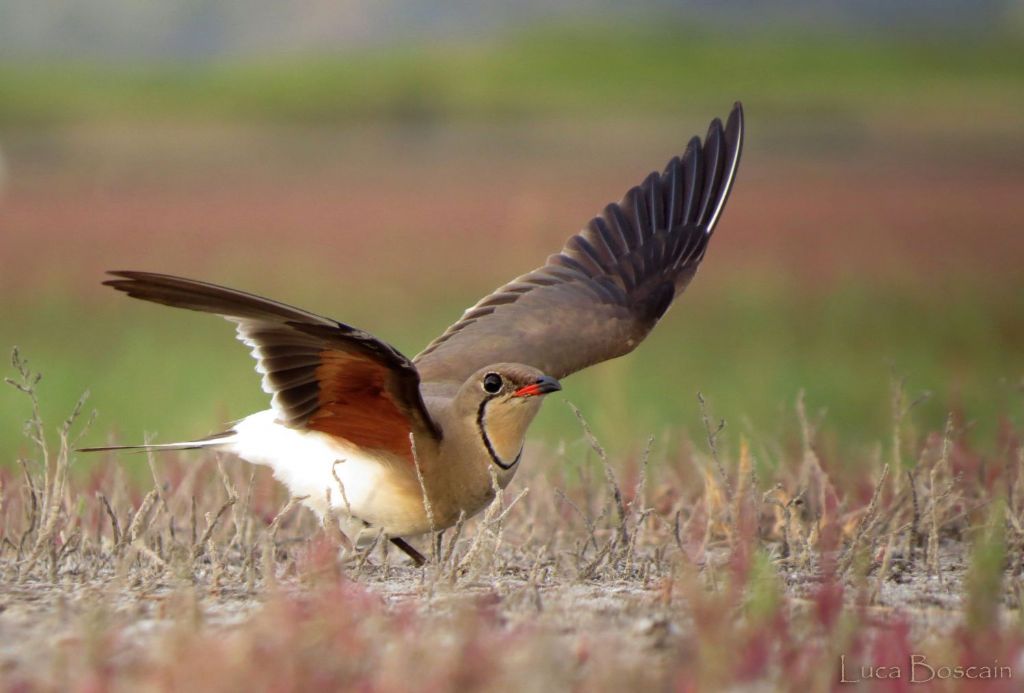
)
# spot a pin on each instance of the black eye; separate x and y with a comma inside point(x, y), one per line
point(492, 383)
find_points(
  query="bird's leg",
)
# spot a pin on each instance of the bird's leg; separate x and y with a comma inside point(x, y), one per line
point(417, 557)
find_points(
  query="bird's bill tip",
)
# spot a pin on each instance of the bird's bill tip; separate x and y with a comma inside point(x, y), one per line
point(544, 385)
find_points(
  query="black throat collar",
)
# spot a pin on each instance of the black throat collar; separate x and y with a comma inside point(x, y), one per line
point(481, 426)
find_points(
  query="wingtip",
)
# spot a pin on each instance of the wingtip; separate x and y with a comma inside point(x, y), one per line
point(734, 124)
point(733, 135)
point(119, 279)
point(130, 281)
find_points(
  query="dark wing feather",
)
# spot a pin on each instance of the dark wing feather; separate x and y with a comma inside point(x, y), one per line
point(611, 283)
point(322, 375)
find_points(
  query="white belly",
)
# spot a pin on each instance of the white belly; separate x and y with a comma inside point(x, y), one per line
point(306, 462)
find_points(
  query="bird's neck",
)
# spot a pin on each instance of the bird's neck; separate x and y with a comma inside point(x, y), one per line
point(464, 474)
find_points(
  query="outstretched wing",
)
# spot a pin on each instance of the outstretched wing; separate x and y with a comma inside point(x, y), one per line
point(611, 283)
point(323, 375)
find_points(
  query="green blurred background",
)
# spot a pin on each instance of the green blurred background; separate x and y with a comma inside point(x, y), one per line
point(386, 164)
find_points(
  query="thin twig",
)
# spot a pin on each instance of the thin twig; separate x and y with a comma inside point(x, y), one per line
point(866, 521)
point(712, 437)
point(427, 507)
point(114, 524)
point(138, 524)
point(211, 524)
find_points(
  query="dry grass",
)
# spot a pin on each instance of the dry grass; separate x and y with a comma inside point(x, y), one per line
point(698, 568)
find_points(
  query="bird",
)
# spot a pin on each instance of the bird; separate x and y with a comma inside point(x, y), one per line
point(404, 447)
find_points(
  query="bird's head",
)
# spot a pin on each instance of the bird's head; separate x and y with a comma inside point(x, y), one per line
point(501, 401)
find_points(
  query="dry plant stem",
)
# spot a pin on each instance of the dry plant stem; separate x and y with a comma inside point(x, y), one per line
point(114, 524)
point(933, 535)
point(159, 487)
point(883, 571)
point(493, 517)
point(341, 486)
point(275, 524)
point(141, 547)
point(770, 498)
point(139, 523)
point(499, 522)
point(62, 463)
point(609, 474)
point(899, 414)
point(331, 526)
point(508, 508)
point(232, 492)
point(789, 543)
point(591, 529)
point(33, 509)
point(483, 528)
point(898, 395)
point(1019, 482)
point(34, 427)
point(1016, 492)
point(364, 554)
point(216, 564)
point(591, 438)
point(866, 521)
point(244, 533)
point(915, 521)
point(638, 506)
point(641, 485)
point(633, 538)
point(591, 569)
point(211, 524)
point(457, 533)
point(712, 437)
point(427, 507)
point(193, 522)
point(151, 461)
point(55, 470)
point(811, 464)
point(270, 546)
point(806, 431)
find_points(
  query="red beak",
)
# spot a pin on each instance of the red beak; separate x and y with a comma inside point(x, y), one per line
point(543, 386)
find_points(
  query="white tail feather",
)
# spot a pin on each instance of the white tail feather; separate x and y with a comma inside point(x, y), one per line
point(218, 439)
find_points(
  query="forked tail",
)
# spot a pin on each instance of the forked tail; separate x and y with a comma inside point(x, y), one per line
point(207, 442)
